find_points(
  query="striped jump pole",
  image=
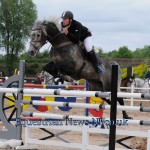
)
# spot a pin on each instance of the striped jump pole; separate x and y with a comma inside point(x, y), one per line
point(82, 105)
point(48, 86)
point(83, 118)
point(73, 93)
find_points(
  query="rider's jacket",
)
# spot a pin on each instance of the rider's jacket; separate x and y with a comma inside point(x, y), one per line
point(77, 32)
point(148, 75)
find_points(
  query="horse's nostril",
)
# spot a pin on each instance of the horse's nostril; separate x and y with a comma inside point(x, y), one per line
point(31, 53)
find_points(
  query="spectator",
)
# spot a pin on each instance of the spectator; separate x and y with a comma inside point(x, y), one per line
point(148, 73)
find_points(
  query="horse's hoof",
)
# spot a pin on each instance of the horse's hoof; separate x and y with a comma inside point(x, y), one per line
point(127, 117)
point(102, 126)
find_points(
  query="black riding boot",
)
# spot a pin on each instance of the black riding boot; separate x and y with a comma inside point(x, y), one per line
point(125, 115)
point(94, 61)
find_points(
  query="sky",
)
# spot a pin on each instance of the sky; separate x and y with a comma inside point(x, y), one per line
point(113, 23)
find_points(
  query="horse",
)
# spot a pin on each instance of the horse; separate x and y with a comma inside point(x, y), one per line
point(47, 78)
point(69, 58)
point(126, 82)
point(141, 83)
point(60, 79)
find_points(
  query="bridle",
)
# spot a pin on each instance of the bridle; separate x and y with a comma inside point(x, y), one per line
point(46, 36)
point(40, 41)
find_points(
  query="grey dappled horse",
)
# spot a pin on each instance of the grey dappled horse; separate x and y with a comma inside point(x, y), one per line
point(141, 83)
point(68, 57)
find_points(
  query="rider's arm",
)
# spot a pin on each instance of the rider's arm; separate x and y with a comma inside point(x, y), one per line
point(74, 32)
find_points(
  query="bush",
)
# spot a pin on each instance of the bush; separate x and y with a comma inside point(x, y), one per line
point(139, 71)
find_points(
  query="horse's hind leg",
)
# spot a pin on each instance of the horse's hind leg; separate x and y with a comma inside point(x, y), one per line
point(124, 113)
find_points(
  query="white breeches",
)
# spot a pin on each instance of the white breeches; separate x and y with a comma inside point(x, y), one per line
point(88, 43)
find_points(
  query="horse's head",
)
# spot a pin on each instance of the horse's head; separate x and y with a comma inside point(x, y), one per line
point(125, 82)
point(37, 39)
point(43, 31)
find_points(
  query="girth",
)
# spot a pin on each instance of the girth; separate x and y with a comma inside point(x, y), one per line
point(63, 44)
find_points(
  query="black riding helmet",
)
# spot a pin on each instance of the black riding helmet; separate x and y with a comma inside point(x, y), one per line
point(67, 14)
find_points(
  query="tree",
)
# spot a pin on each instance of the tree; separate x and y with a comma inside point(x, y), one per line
point(16, 18)
point(124, 52)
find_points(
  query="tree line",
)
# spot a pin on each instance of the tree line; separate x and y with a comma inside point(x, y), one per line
point(125, 52)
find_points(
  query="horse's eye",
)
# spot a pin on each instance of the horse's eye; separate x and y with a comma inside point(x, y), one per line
point(38, 35)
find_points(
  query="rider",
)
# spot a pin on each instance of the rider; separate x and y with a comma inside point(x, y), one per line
point(148, 74)
point(76, 33)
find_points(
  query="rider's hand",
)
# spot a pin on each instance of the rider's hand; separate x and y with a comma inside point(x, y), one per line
point(65, 30)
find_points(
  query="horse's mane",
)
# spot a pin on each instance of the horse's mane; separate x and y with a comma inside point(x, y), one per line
point(51, 19)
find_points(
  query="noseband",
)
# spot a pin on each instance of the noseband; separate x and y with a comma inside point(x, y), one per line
point(40, 41)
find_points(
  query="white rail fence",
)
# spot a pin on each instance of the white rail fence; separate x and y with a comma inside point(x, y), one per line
point(131, 90)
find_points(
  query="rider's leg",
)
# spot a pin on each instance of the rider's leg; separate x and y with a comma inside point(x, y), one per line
point(92, 55)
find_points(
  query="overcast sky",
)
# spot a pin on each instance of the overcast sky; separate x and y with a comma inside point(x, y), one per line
point(114, 23)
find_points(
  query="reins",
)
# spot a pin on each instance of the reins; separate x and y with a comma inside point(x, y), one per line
point(50, 39)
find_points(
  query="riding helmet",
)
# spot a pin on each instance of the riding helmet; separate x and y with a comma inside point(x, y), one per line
point(67, 14)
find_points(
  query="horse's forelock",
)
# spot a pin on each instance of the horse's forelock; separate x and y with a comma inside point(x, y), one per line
point(54, 20)
point(39, 23)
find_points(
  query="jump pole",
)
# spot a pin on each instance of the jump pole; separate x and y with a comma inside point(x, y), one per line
point(86, 105)
point(73, 93)
point(113, 109)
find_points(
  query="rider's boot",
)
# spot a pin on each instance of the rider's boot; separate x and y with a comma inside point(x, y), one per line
point(95, 63)
point(125, 115)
